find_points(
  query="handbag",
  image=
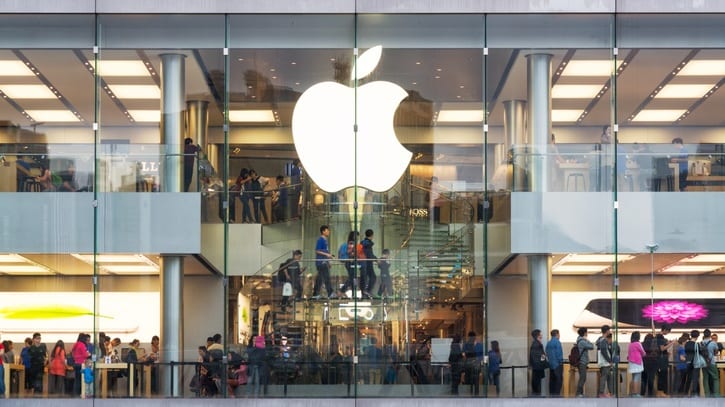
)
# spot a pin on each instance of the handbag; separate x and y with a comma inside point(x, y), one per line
point(287, 289)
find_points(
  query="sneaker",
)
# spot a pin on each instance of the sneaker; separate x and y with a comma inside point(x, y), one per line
point(315, 297)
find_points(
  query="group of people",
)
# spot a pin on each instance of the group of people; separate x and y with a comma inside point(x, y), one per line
point(464, 361)
point(648, 362)
point(252, 190)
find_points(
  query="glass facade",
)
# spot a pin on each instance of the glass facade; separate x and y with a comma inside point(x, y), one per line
point(360, 205)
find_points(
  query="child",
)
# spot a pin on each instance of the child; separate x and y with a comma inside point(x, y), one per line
point(386, 283)
point(88, 378)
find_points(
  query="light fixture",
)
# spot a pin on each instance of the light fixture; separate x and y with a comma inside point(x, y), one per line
point(28, 92)
point(52, 115)
point(680, 91)
point(575, 91)
point(690, 268)
point(705, 258)
point(658, 115)
point(130, 269)
point(23, 269)
point(713, 67)
point(112, 258)
point(122, 68)
point(145, 115)
point(565, 115)
point(601, 67)
point(460, 116)
point(252, 116)
point(136, 91)
point(14, 68)
point(12, 258)
point(595, 258)
point(579, 269)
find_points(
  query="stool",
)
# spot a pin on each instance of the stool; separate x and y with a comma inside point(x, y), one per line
point(575, 176)
point(31, 185)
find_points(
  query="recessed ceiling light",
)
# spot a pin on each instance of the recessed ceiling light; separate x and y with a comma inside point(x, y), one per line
point(112, 258)
point(22, 269)
point(575, 91)
point(14, 68)
point(565, 115)
point(122, 68)
point(293, 63)
point(703, 68)
point(12, 258)
point(596, 258)
point(256, 116)
point(136, 91)
point(658, 115)
point(600, 67)
point(460, 116)
point(52, 115)
point(683, 91)
point(152, 116)
point(689, 268)
point(28, 92)
point(128, 269)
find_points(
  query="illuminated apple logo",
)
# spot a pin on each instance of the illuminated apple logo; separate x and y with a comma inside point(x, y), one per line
point(325, 139)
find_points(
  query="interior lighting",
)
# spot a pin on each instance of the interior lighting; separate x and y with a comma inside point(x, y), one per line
point(136, 91)
point(23, 269)
point(14, 68)
point(460, 116)
point(565, 115)
point(130, 269)
point(711, 67)
point(683, 91)
point(705, 258)
point(690, 268)
point(122, 68)
point(255, 116)
point(12, 258)
point(589, 68)
point(145, 115)
point(52, 115)
point(28, 92)
point(579, 269)
point(575, 91)
point(596, 258)
point(112, 258)
point(658, 115)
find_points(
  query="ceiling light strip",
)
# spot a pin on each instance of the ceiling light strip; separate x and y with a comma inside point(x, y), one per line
point(149, 66)
point(16, 106)
point(700, 101)
point(625, 63)
point(47, 83)
point(562, 65)
point(90, 68)
point(662, 84)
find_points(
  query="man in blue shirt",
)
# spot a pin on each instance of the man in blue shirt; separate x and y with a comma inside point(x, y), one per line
point(556, 367)
point(322, 262)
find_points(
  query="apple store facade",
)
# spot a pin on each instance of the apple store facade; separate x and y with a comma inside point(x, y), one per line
point(360, 199)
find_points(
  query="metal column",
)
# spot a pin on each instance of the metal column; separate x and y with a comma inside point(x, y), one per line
point(514, 126)
point(173, 95)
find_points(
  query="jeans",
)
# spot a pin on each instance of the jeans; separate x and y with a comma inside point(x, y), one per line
point(495, 379)
point(253, 384)
point(711, 380)
point(582, 379)
point(605, 381)
point(537, 375)
point(323, 277)
point(556, 380)
point(2, 380)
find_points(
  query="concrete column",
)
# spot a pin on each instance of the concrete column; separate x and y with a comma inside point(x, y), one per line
point(173, 95)
point(514, 127)
point(197, 126)
point(539, 118)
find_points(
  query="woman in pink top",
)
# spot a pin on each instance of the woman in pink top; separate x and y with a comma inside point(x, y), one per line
point(635, 353)
point(80, 353)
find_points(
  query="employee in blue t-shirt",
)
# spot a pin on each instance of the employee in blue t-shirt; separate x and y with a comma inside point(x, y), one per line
point(322, 262)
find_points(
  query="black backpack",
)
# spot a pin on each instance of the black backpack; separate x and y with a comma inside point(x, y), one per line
point(575, 356)
point(702, 348)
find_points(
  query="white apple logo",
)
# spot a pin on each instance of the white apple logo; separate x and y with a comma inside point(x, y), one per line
point(323, 131)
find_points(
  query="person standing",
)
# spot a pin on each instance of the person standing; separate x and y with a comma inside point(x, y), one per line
point(681, 160)
point(681, 364)
point(2, 371)
point(584, 346)
point(280, 198)
point(57, 369)
point(537, 361)
point(295, 188)
point(635, 353)
point(291, 272)
point(471, 362)
point(494, 366)
point(663, 359)
point(322, 262)
point(38, 358)
point(556, 367)
point(455, 363)
point(711, 376)
point(190, 150)
point(695, 364)
point(368, 277)
point(386, 281)
point(346, 254)
point(604, 361)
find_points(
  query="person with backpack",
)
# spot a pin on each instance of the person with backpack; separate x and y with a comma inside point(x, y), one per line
point(695, 363)
point(650, 365)
point(556, 366)
point(290, 272)
point(635, 353)
point(583, 346)
point(471, 365)
point(368, 282)
point(711, 376)
point(663, 357)
point(604, 362)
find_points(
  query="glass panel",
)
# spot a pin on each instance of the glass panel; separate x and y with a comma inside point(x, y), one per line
point(549, 169)
point(160, 102)
point(47, 297)
point(671, 132)
point(431, 213)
